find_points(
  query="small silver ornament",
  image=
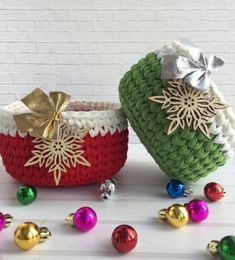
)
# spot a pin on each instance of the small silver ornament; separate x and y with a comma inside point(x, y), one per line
point(107, 188)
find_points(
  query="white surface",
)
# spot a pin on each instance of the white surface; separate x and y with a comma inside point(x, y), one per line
point(140, 194)
point(84, 47)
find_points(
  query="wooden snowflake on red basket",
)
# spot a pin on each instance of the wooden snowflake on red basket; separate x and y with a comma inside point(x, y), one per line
point(188, 106)
point(61, 154)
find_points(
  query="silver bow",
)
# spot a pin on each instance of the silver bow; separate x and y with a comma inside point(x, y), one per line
point(193, 65)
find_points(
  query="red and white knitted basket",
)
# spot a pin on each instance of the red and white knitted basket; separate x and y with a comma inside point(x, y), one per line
point(105, 145)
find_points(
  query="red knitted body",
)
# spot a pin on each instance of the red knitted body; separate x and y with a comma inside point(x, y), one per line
point(106, 154)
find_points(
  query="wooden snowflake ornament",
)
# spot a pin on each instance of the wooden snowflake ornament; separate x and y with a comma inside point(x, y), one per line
point(60, 154)
point(188, 106)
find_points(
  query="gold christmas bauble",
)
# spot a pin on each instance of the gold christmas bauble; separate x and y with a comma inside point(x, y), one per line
point(28, 235)
point(176, 215)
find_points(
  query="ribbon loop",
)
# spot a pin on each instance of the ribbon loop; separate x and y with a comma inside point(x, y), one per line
point(45, 119)
point(191, 64)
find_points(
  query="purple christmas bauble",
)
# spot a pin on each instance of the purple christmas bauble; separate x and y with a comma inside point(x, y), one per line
point(2, 221)
point(85, 219)
point(198, 210)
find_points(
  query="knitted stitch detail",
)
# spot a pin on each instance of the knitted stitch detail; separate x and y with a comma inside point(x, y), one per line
point(224, 119)
point(106, 155)
point(100, 117)
point(186, 155)
point(105, 146)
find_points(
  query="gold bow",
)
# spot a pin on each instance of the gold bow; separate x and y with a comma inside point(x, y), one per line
point(45, 119)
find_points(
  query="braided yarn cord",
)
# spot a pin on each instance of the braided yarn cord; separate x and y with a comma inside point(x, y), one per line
point(185, 155)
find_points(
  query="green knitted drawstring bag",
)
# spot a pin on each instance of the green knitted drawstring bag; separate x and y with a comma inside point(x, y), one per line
point(186, 154)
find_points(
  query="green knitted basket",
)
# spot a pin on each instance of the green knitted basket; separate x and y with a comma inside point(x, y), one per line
point(185, 155)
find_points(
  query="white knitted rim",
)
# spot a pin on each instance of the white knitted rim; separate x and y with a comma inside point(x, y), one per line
point(223, 126)
point(100, 117)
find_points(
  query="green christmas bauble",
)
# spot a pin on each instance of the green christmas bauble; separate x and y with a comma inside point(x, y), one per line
point(226, 248)
point(26, 194)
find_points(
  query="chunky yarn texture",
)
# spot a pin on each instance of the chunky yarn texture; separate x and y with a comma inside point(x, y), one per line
point(105, 146)
point(186, 155)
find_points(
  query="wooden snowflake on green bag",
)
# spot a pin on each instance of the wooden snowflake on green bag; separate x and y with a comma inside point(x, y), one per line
point(188, 106)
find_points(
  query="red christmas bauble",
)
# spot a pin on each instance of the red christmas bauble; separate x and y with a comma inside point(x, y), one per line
point(124, 238)
point(214, 191)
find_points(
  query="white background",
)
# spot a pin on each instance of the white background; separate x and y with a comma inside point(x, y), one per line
point(84, 47)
